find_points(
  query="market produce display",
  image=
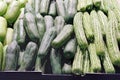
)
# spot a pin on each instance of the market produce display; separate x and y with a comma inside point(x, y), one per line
point(60, 36)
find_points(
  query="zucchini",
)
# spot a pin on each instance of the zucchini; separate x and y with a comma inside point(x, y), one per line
point(112, 43)
point(70, 49)
point(52, 9)
point(113, 17)
point(48, 22)
point(77, 66)
point(4, 59)
point(9, 35)
point(40, 25)
point(103, 21)
point(3, 28)
point(97, 34)
point(13, 12)
point(55, 59)
point(61, 10)
point(97, 3)
point(107, 64)
point(88, 27)
point(67, 68)
point(31, 27)
point(29, 57)
point(89, 4)
point(81, 6)
point(44, 7)
point(94, 59)
point(46, 42)
point(79, 31)
point(12, 56)
point(86, 63)
point(63, 36)
point(3, 8)
point(59, 23)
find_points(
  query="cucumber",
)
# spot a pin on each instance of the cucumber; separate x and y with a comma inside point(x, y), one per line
point(31, 27)
point(37, 5)
point(89, 4)
point(79, 31)
point(23, 2)
point(55, 59)
point(59, 23)
point(12, 56)
point(112, 43)
point(38, 64)
point(88, 27)
point(97, 34)
point(28, 8)
point(108, 4)
point(4, 59)
point(8, 1)
point(70, 49)
point(117, 13)
point(29, 57)
point(46, 42)
point(1, 55)
point(102, 7)
point(94, 59)
point(103, 21)
point(52, 9)
point(113, 17)
point(3, 28)
point(61, 10)
point(66, 4)
point(77, 66)
point(21, 57)
point(13, 12)
point(108, 66)
point(44, 7)
point(81, 6)
point(97, 3)
point(9, 35)
point(48, 22)
point(67, 68)
point(63, 36)
point(3, 8)
point(86, 63)
point(72, 9)
point(40, 25)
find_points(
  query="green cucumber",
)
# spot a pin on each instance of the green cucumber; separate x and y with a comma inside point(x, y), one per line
point(59, 23)
point(70, 49)
point(31, 27)
point(55, 59)
point(12, 56)
point(67, 68)
point(52, 9)
point(63, 36)
point(29, 57)
point(46, 42)
point(3, 8)
point(44, 7)
point(81, 6)
point(48, 22)
point(40, 25)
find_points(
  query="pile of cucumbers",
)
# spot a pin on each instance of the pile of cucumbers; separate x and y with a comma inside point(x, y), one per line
point(60, 36)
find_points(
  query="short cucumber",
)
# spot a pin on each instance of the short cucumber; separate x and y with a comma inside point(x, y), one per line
point(63, 36)
point(70, 49)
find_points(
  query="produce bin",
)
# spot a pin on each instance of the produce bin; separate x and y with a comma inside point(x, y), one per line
point(39, 37)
